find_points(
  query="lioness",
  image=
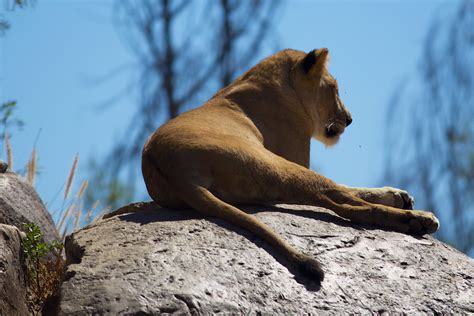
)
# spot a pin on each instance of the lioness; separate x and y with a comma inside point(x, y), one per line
point(250, 144)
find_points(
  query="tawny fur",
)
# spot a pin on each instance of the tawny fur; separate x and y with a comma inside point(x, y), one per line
point(250, 144)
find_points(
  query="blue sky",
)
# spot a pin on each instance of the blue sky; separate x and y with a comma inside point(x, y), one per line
point(54, 51)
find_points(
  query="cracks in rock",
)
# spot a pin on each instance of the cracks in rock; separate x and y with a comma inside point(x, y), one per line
point(433, 310)
point(355, 301)
point(350, 243)
point(345, 244)
point(74, 252)
point(312, 236)
point(190, 303)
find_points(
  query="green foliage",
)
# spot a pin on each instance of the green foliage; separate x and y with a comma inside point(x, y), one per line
point(7, 117)
point(18, 3)
point(45, 266)
point(4, 26)
point(34, 248)
point(434, 156)
point(21, 3)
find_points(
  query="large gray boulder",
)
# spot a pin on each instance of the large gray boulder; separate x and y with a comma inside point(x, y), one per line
point(19, 203)
point(162, 261)
point(13, 288)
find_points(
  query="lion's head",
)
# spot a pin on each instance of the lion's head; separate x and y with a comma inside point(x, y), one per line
point(318, 92)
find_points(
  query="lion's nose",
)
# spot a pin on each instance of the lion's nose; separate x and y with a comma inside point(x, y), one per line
point(348, 120)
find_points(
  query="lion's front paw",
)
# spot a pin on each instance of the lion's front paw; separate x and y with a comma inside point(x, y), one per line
point(399, 198)
point(421, 223)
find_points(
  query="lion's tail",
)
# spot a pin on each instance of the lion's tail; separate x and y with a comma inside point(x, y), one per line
point(205, 202)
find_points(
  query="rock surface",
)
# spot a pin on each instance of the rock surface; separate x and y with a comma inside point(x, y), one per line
point(161, 261)
point(19, 203)
point(13, 288)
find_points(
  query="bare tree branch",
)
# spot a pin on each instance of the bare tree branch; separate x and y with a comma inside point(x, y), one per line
point(435, 160)
point(179, 65)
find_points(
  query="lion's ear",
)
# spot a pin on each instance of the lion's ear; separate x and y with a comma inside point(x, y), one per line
point(315, 61)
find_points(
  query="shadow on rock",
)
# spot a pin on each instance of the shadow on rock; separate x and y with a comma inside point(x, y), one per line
point(149, 212)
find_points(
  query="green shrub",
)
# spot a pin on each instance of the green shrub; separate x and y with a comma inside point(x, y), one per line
point(45, 266)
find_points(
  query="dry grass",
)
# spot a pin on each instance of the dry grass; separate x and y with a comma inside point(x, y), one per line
point(9, 151)
point(100, 214)
point(70, 178)
point(64, 219)
point(72, 215)
point(31, 168)
point(46, 276)
point(89, 213)
point(78, 217)
point(82, 189)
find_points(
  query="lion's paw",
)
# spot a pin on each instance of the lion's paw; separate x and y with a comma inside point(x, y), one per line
point(398, 198)
point(421, 223)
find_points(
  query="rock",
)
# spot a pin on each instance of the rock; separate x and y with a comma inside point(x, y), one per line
point(163, 261)
point(19, 203)
point(13, 288)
